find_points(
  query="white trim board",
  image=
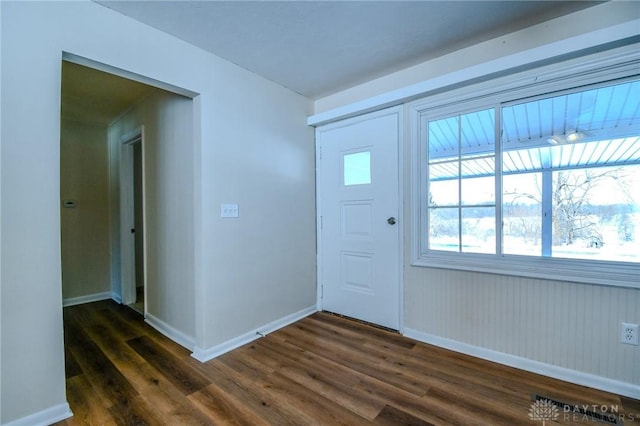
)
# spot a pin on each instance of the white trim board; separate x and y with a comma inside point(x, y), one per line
point(90, 63)
point(45, 417)
point(573, 376)
point(204, 355)
point(170, 332)
point(72, 301)
point(519, 60)
point(116, 297)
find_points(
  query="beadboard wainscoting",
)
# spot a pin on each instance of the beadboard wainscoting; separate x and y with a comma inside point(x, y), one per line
point(567, 326)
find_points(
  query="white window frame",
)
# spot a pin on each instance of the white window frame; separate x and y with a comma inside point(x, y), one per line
point(598, 68)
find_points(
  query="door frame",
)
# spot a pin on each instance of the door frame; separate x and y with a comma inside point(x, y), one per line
point(127, 218)
point(399, 110)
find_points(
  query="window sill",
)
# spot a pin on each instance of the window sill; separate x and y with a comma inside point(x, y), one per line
point(574, 270)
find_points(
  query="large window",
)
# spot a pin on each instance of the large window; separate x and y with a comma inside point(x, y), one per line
point(571, 175)
point(549, 184)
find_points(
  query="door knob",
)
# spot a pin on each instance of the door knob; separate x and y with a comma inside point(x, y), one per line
point(391, 220)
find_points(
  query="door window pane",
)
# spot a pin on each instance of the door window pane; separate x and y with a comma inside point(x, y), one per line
point(357, 168)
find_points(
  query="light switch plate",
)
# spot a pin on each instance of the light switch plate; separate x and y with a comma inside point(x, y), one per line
point(228, 210)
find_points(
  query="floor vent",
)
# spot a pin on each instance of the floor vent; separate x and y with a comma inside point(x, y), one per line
point(584, 412)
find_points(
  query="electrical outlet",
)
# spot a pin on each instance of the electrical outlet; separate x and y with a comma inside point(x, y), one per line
point(228, 210)
point(629, 333)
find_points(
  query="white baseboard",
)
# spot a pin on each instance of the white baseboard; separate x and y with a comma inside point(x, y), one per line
point(116, 297)
point(87, 299)
point(561, 373)
point(172, 333)
point(204, 355)
point(45, 417)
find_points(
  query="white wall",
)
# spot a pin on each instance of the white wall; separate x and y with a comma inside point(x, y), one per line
point(261, 265)
point(84, 178)
point(566, 329)
point(169, 220)
point(32, 342)
point(251, 146)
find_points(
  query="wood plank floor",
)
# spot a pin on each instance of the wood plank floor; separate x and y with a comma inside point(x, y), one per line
point(322, 370)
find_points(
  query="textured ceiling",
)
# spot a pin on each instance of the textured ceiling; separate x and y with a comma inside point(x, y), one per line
point(320, 47)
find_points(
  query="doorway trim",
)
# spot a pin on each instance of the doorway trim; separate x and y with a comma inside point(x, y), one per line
point(127, 218)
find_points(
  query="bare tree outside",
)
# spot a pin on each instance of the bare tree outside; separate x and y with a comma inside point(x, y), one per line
point(581, 207)
point(522, 211)
point(578, 211)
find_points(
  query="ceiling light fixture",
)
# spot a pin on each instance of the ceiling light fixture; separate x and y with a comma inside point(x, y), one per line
point(554, 140)
point(571, 137)
point(574, 136)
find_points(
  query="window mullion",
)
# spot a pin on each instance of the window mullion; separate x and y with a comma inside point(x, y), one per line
point(460, 184)
point(423, 152)
point(547, 212)
point(498, 177)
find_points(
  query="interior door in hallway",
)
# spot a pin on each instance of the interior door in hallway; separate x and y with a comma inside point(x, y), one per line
point(358, 193)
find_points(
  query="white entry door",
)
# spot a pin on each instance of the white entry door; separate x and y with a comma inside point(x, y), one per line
point(359, 233)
